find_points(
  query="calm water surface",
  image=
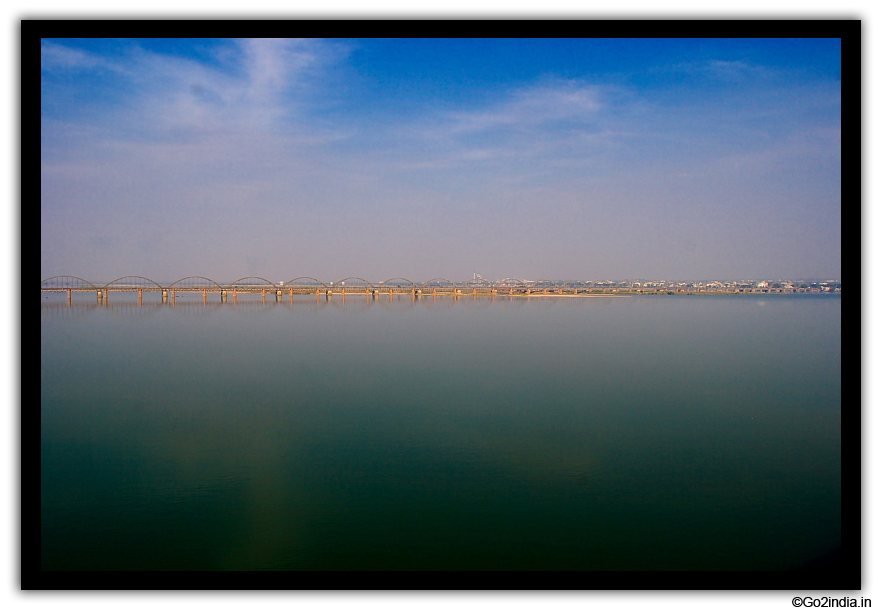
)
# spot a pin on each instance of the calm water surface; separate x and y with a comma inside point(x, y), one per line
point(640, 433)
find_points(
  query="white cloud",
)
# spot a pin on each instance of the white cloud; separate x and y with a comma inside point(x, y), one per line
point(531, 127)
point(253, 85)
point(59, 57)
point(532, 106)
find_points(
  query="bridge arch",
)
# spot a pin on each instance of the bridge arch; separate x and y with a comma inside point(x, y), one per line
point(438, 282)
point(240, 283)
point(66, 282)
point(511, 282)
point(132, 282)
point(291, 284)
point(476, 283)
point(366, 284)
point(512, 285)
point(398, 284)
point(195, 277)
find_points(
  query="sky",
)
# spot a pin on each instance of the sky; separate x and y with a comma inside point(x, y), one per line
point(559, 159)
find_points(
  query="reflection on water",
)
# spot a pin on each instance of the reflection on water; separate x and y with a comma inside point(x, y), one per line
point(510, 433)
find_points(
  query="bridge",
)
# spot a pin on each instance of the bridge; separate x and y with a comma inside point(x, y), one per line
point(309, 285)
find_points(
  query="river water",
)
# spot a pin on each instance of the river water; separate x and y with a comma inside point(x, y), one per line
point(597, 433)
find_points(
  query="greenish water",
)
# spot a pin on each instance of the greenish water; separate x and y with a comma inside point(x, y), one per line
point(641, 433)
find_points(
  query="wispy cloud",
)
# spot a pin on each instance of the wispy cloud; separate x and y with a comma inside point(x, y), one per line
point(59, 57)
point(534, 106)
point(260, 98)
point(541, 123)
point(720, 69)
point(253, 85)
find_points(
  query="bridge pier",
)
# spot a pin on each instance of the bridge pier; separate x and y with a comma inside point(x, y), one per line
point(69, 297)
point(235, 296)
point(204, 297)
point(173, 297)
point(264, 297)
point(140, 296)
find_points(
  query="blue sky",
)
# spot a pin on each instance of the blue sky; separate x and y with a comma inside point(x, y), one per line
point(583, 159)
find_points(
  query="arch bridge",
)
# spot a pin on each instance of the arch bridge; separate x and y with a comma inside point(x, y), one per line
point(312, 285)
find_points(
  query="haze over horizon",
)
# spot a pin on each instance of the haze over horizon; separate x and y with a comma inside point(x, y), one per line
point(560, 159)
